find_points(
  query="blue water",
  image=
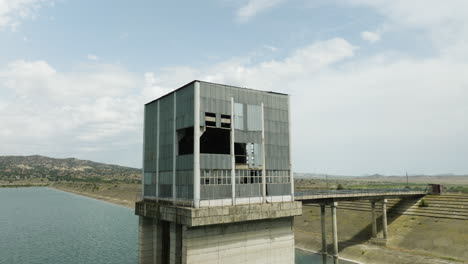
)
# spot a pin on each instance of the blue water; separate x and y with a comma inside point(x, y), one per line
point(303, 257)
point(46, 226)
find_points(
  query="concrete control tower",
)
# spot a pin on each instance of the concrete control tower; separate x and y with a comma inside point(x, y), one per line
point(217, 177)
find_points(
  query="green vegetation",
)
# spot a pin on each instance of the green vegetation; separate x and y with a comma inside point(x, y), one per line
point(457, 189)
point(20, 170)
point(423, 203)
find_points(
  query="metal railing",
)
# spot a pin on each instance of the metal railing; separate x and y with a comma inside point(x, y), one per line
point(328, 193)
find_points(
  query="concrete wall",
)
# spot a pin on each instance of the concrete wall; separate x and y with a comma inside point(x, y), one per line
point(265, 241)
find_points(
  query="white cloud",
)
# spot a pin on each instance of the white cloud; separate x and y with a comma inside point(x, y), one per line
point(351, 114)
point(445, 23)
point(371, 37)
point(270, 48)
point(12, 12)
point(92, 57)
point(69, 113)
point(253, 7)
point(354, 115)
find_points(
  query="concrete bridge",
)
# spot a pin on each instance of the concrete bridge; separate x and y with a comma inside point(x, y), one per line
point(331, 199)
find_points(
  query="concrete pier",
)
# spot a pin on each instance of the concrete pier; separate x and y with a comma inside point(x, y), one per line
point(335, 233)
point(384, 218)
point(256, 233)
point(374, 220)
point(324, 234)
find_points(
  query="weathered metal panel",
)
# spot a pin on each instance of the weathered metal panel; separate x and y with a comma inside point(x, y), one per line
point(184, 107)
point(243, 136)
point(215, 191)
point(239, 116)
point(248, 190)
point(166, 133)
point(184, 162)
point(254, 117)
point(215, 161)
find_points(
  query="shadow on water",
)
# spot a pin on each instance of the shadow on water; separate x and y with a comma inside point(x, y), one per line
point(306, 257)
point(392, 214)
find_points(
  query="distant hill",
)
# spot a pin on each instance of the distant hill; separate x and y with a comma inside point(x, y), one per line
point(70, 169)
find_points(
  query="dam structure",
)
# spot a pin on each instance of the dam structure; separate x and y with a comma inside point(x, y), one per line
point(217, 181)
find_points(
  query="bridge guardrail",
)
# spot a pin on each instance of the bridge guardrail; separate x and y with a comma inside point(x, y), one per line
point(325, 193)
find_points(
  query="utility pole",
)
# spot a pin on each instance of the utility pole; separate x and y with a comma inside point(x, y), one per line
point(407, 184)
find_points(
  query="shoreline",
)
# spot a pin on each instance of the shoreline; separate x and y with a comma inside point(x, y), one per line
point(305, 241)
point(318, 253)
point(115, 201)
point(100, 198)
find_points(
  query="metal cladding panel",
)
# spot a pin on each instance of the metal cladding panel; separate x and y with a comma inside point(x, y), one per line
point(184, 162)
point(149, 155)
point(215, 99)
point(149, 161)
point(243, 136)
point(215, 191)
point(239, 116)
point(184, 107)
point(278, 189)
point(166, 132)
point(248, 190)
point(254, 117)
point(184, 184)
point(215, 161)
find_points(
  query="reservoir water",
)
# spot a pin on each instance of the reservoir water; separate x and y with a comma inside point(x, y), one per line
point(46, 226)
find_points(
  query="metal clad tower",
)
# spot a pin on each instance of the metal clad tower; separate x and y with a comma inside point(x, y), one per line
point(216, 157)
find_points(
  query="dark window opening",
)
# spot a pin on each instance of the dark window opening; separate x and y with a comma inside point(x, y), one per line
point(215, 141)
point(225, 121)
point(210, 119)
point(185, 141)
point(240, 152)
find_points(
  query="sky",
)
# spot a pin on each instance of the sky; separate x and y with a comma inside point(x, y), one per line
point(377, 86)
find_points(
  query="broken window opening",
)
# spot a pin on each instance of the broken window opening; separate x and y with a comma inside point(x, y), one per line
point(248, 176)
point(185, 141)
point(215, 141)
point(240, 153)
point(225, 121)
point(210, 119)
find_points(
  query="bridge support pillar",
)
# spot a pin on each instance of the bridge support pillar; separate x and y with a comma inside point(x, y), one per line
point(324, 234)
point(335, 233)
point(384, 218)
point(374, 220)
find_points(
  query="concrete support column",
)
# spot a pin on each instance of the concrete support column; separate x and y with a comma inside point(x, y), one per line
point(335, 233)
point(233, 157)
point(174, 150)
point(324, 234)
point(384, 218)
point(374, 220)
point(175, 240)
point(291, 173)
point(196, 145)
point(264, 192)
point(145, 240)
point(157, 241)
point(158, 128)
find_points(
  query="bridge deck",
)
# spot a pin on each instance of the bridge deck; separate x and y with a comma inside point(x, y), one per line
point(351, 195)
